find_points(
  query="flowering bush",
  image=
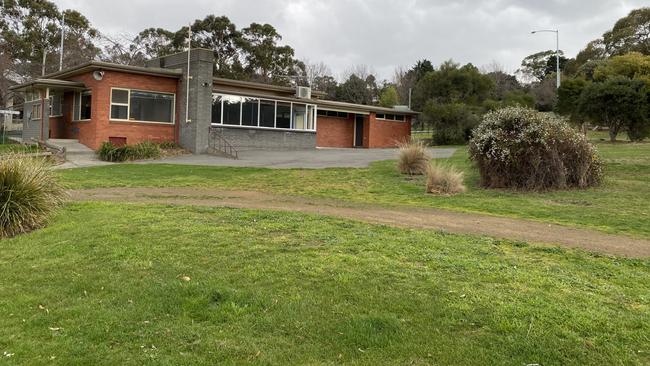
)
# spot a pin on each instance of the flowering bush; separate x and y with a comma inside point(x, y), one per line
point(521, 148)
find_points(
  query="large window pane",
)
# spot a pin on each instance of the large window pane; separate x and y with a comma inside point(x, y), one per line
point(310, 117)
point(55, 105)
point(283, 118)
point(119, 112)
point(120, 96)
point(216, 108)
point(249, 112)
point(231, 109)
point(299, 113)
point(86, 104)
point(267, 113)
point(151, 107)
point(77, 103)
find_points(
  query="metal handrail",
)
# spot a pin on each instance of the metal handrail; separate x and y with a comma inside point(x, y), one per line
point(219, 143)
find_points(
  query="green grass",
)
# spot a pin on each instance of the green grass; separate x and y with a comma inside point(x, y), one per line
point(7, 146)
point(103, 285)
point(620, 205)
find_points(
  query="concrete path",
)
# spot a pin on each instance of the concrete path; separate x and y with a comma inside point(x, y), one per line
point(409, 217)
point(312, 158)
point(77, 155)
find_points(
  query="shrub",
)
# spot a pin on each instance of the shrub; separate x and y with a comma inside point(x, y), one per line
point(444, 180)
point(520, 148)
point(144, 150)
point(413, 158)
point(452, 123)
point(29, 194)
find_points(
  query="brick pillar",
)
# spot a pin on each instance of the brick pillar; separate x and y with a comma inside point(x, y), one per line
point(192, 135)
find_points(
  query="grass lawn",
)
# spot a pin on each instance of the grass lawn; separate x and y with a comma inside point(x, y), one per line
point(104, 285)
point(620, 205)
point(7, 146)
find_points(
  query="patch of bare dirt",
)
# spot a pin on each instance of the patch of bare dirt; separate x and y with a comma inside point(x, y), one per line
point(407, 217)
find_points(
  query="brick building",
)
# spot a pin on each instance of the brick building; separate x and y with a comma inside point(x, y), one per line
point(98, 101)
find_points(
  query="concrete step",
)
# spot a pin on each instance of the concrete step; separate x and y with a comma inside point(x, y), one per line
point(72, 146)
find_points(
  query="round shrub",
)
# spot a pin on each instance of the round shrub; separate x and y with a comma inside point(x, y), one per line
point(521, 148)
point(29, 194)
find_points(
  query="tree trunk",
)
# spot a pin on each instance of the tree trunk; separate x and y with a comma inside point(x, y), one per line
point(612, 134)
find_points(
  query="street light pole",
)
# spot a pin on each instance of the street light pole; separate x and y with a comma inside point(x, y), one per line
point(557, 51)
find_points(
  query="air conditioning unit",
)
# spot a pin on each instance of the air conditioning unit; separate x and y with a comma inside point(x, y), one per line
point(303, 92)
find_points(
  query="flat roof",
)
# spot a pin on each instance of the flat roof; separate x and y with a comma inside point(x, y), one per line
point(50, 83)
point(261, 86)
point(100, 65)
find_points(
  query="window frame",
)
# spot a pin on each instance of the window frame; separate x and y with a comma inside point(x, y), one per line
point(396, 117)
point(36, 109)
point(51, 99)
point(128, 107)
point(76, 109)
point(275, 102)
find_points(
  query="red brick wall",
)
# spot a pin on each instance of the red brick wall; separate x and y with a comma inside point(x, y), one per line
point(57, 128)
point(92, 133)
point(335, 132)
point(388, 133)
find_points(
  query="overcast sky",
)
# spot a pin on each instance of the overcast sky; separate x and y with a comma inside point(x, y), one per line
point(384, 34)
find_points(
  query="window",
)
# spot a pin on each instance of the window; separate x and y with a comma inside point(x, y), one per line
point(332, 114)
point(238, 110)
point(82, 106)
point(267, 113)
point(231, 109)
point(391, 117)
point(283, 115)
point(151, 107)
point(36, 111)
point(56, 109)
point(119, 104)
point(249, 112)
point(216, 108)
point(142, 106)
point(311, 117)
point(299, 116)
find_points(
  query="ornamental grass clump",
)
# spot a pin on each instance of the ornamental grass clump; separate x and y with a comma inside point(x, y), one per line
point(413, 158)
point(524, 149)
point(29, 194)
point(445, 180)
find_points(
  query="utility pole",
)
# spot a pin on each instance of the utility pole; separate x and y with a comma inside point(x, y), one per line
point(557, 51)
point(187, 91)
point(62, 37)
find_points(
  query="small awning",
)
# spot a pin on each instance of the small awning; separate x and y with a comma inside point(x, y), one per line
point(49, 83)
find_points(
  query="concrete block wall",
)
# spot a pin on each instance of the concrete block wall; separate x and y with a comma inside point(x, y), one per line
point(192, 135)
point(243, 139)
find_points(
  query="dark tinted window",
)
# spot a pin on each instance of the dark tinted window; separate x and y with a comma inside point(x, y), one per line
point(283, 119)
point(152, 107)
point(231, 110)
point(249, 112)
point(216, 109)
point(267, 113)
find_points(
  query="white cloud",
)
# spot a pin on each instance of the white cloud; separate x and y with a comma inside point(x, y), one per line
point(384, 33)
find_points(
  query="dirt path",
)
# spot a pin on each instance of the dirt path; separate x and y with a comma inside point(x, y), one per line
point(408, 217)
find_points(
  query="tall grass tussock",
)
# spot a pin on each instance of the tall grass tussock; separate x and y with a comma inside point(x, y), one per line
point(29, 194)
point(413, 158)
point(445, 180)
